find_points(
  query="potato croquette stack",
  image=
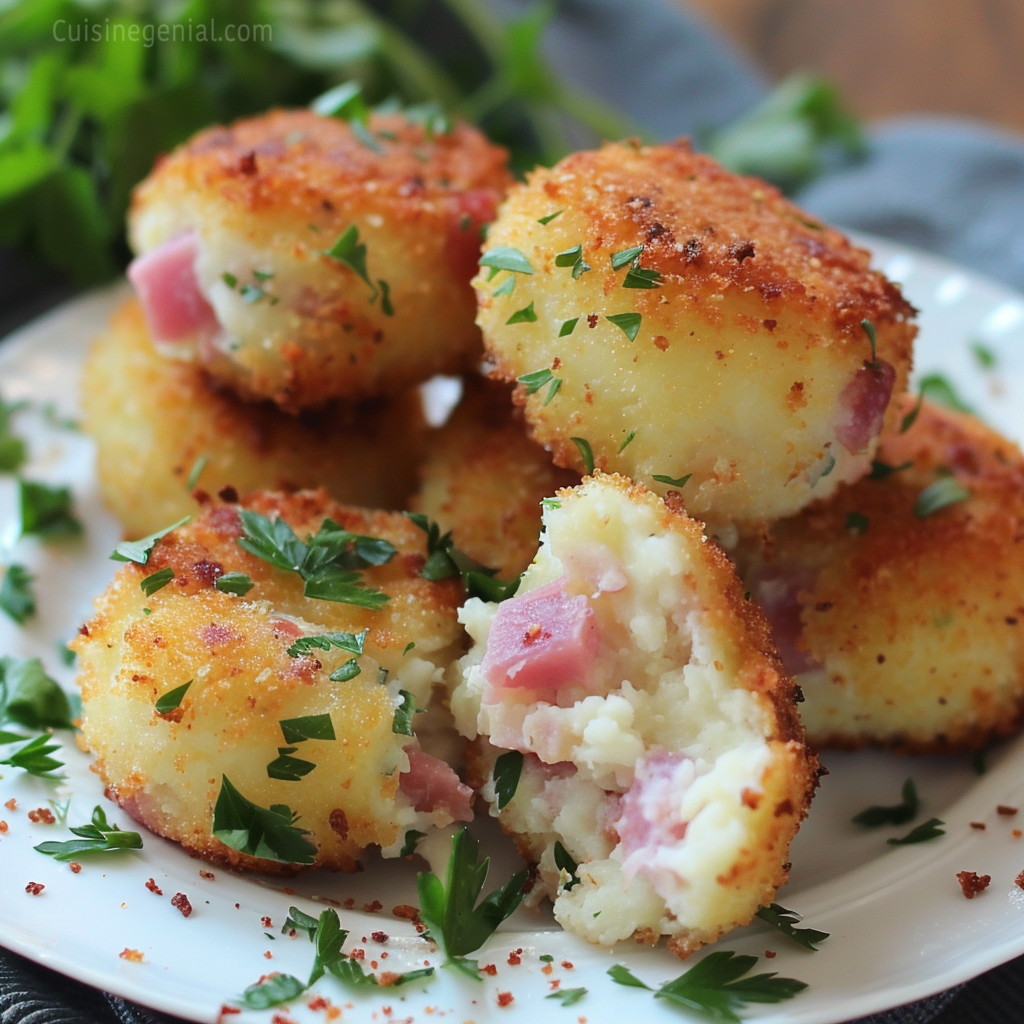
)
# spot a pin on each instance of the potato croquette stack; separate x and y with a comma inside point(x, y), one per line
point(899, 603)
point(484, 479)
point(637, 695)
point(300, 260)
point(219, 686)
point(701, 328)
point(158, 422)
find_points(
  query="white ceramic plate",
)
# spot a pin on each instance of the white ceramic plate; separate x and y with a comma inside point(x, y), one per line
point(900, 927)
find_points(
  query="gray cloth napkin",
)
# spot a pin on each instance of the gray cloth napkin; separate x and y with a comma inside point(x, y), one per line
point(953, 188)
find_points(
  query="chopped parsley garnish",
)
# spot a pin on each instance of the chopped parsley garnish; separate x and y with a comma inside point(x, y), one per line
point(786, 920)
point(985, 356)
point(504, 257)
point(629, 438)
point(138, 551)
point(550, 503)
point(171, 700)
point(352, 253)
point(34, 757)
point(897, 814)
point(237, 583)
point(346, 671)
point(351, 642)
point(156, 581)
point(287, 768)
point(299, 922)
point(625, 256)
point(567, 996)
point(880, 470)
point(538, 379)
point(641, 277)
point(573, 258)
point(566, 867)
point(526, 315)
point(196, 472)
point(30, 698)
point(507, 770)
point(911, 417)
point(869, 329)
point(506, 286)
point(385, 297)
point(402, 722)
point(16, 597)
point(46, 511)
point(308, 727)
point(431, 116)
point(550, 217)
point(457, 924)
point(944, 492)
point(13, 450)
point(857, 522)
point(258, 831)
point(568, 327)
point(97, 837)
point(921, 834)
point(586, 453)
point(679, 481)
point(327, 562)
point(344, 101)
point(273, 990)
point(628, 323)
point(716, 987)
point(412, 838)
point(940, 390)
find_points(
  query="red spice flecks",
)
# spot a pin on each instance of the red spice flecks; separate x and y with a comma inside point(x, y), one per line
point(567, 965)
point(3, 828)
point(210, 876)
point(972, 883)
point(372, 908)
point(358, 954)
point(491, 969)
point(318, 1003)
point(1020, 880)
point(12, 804)
point(34, 888)
point(133, 956)
point(42, 816)
point(75, 866)
point(1006, 812)
point(268, 955)
point(379, 937)
point(979, 825)
point(227, 1011)
point(505, 998)
point(266, 922)
point(515, 958)
point(406, 912)
point(281, 1018)
point(592, 319)
point(153, 887)
point(180, 900)
point(547, 968)
point(1016, 833)
point(770, 954)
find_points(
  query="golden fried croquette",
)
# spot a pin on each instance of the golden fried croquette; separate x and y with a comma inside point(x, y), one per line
point(235, 231)
point(154, 419)
point(702, 328)
point(659, 738)
point(484, 479)
point(900, 616)
point(367, 783)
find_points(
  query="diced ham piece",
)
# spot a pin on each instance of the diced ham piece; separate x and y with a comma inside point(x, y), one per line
point(165, 279)
point(540, 641)
point(649, 811)
point(778, 594)
point(431, 785)
point(863, 403)
point(471, 210)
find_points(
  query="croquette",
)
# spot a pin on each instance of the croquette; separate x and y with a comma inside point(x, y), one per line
point(661, 766)
point(306, 702)
point(300, 259)
point(707, 336)
point(898, 604)
point(162, 429)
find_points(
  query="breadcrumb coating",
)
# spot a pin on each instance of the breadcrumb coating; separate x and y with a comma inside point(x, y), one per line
point(903, 625)
point(154, 419)
point(269, 196)
point(701, 325)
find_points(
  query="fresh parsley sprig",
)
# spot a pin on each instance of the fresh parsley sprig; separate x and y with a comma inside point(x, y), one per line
point(13, 450)
point(258, 831)
point(786, 920)
point(99, 836)
point(351, 642)
point(35, 758)
point(30, 698)
point(16, 597)
point(46, 512)
point(450, 909)
point(716, 988)
point(920, 833)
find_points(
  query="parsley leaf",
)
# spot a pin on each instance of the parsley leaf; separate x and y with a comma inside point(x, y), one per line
point(786, 920)
point(567, 996)
point(628, 323)
point(911, 417)
point(271, 991)
point(412, 838)
point(507, 770)
point(568, 327)
point(308, 727)
point(641, 277)
point(869, 329)
point(16, 597)
point(586, 453)
point(344, 101)
point(940, 389)
point(237, 583)
point(29, 697)
point(880, 470)
point(897, 814)
point(573, 258)
point(138, 551)
point(536, 380)
point(944, 492)
point(299, 922)
point(564, 862)
point(13, 450)
point(624, 256)
point(343, 673)
point(351, 642)
point(506, 287)
point(350, 251)
point(196, 472)
point(35, 759)
point(679, 481)
point(288, 768)
point(550, 217)
point(857, 522)
point(921, 834)
point(171, 700)
point(96, 837)
point(984, 355)
point(46, 511)
point(156, 581)
point(526, 315)
point(402, 723)
point(629, 438)
point(504, 257)
point(449, 908)
point(258, 831)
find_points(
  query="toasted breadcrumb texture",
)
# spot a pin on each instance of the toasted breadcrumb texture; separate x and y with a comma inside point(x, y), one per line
point(661, 745)
point(749, 370)
point(272, 194)
point(905, 630)
point(166, 769)
point(483, 478)
point(153, 419)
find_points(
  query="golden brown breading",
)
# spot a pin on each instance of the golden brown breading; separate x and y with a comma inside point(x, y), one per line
point(748, 370)
point(904, 629)
point(660, 740)
point(166, 769)
point(271, 194)
point(153, 418)
point(483, 479)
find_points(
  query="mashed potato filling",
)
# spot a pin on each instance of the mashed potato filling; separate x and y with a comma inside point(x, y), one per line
point(651, 751)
